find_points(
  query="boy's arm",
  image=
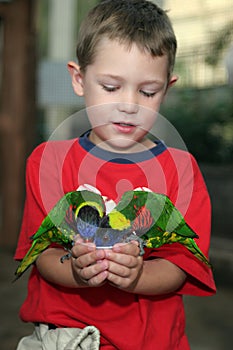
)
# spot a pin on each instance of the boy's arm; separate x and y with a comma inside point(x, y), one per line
point(128, 271)
point(69, 274)
point(122, 267)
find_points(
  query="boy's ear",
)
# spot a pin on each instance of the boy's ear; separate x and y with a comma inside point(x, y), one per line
point(76, 77)
point(172, 81)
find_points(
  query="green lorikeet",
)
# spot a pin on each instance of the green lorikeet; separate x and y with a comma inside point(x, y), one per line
point(76, 213)
point(150, 216)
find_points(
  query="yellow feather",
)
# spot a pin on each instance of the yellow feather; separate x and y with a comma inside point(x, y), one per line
point(118, 221)
point(91, 204)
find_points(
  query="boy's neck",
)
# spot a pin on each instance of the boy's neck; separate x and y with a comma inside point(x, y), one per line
point(143, 145)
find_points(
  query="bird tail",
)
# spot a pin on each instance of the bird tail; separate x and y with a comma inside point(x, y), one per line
point(193, 247)
point(30, 257)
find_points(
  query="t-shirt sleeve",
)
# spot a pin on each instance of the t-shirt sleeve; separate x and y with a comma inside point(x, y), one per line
point(43, 190)
point(197, 213)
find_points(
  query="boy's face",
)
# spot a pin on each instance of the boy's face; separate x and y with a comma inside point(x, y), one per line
point(123, 89)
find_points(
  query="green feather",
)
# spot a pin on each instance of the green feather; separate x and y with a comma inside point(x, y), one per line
point(165, 224)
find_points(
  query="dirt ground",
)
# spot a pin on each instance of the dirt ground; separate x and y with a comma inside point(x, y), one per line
point(209, 319)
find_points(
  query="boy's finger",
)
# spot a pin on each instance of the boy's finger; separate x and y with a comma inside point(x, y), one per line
point(88, 258)
point(131, 248)
point(128, 260)
point(90, 272)
point(82, 248)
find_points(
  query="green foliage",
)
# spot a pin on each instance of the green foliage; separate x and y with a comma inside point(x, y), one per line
point(221, 41)
point(204, 119)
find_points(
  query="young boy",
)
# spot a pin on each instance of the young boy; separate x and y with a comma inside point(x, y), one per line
point(126, 52)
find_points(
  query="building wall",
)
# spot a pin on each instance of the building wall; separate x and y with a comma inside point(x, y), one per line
point(196, 24)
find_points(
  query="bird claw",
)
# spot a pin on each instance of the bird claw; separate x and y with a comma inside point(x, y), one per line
point(66, 257)
point(141, 243)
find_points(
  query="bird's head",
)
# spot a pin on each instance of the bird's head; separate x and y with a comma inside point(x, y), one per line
point(114, 227)
point(118, 221)
point(87, 222)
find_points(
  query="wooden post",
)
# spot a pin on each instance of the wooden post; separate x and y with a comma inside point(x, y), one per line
point(17, 113)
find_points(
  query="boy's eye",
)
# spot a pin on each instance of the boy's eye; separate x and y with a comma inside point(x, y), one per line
point(109, 88)
point(147, 94)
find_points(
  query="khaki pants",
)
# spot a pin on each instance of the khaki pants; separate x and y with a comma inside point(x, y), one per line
point(61, 339)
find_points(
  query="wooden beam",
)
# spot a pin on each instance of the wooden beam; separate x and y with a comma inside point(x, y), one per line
point(17, 114)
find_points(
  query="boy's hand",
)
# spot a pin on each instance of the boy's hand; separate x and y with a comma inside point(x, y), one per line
point(121, 265)
point(89, 265)
point(125, 265)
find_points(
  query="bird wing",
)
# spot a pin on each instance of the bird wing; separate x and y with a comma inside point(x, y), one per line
point(153, 216)
point(167, 218)
point(64, 213)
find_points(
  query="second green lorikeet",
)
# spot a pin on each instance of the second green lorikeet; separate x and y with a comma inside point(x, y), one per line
point(152, 219)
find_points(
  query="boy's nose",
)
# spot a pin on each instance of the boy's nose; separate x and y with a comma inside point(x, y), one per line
point(129, 108)
point(128, 103)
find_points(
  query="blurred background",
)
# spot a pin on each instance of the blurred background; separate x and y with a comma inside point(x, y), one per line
point(37, 38)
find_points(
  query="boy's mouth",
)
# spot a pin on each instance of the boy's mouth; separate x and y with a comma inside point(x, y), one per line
point(125, 124)
point(123, 127)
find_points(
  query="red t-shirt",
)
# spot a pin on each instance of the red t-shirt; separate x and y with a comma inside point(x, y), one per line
point(126, 321)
